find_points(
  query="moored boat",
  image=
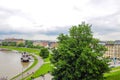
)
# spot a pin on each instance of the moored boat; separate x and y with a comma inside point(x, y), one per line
point(25, 57)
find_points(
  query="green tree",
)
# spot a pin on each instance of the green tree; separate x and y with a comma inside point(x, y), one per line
point(79, 56)
point(44, 53)
point(4, 43)
point(21, 45)
point(38, 47)
point(29, 44)
point(12, 43)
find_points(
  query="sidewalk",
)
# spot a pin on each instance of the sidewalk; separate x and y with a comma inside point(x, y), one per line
point(46, 77)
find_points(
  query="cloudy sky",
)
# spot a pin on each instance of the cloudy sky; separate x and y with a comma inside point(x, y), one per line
point(45, 19)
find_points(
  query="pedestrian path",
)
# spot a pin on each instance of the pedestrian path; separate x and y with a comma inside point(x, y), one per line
point(45, 77)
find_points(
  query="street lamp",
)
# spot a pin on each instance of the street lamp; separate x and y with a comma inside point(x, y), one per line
point(43, 77)
point(114, 59)
point(22, 72)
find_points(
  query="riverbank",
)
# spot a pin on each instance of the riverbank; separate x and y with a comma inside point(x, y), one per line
point(24, 73)
point(24, 50)
point(31, 70)
point(4, 49)
point(10, 64)
point(42, 70)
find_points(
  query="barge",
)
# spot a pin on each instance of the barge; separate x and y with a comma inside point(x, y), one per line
point(25, 57)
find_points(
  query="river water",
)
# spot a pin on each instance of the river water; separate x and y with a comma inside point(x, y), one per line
point(10, 64)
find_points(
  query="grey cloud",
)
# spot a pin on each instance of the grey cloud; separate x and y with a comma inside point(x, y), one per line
point(104, 2)
point(58, 31)
point(107, 24)
point(4, 15)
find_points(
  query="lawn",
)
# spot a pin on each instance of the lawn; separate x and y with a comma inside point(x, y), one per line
point(114, 74)
point(45, 68)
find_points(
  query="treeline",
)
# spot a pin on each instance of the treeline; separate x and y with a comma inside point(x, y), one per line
point(44, 52)
point(27, 44)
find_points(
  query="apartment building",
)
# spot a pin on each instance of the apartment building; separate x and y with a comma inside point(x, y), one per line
point(113, 49)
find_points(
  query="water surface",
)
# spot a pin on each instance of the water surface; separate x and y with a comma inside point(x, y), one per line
point(10, 64)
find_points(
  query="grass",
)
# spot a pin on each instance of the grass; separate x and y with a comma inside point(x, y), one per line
point(114, 74)
point(115, 68)
point(45, 68)
point(47, 59)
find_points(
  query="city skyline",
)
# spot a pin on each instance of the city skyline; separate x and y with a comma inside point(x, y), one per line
point(45, 20)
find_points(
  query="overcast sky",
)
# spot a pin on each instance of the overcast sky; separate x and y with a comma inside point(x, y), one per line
point(45, 19)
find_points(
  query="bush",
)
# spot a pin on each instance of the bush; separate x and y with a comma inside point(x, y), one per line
point(21, 45)
point(44, 53)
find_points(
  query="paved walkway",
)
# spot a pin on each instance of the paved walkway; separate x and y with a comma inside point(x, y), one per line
point(114, 65)
point(46, 77)
point(40, 62)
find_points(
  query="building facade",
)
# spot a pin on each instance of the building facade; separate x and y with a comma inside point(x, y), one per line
point(17, 41)
point(113, 49)
point(47, 44)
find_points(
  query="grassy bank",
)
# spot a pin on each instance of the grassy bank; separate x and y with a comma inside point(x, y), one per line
point(114, 74)
point(45, 68)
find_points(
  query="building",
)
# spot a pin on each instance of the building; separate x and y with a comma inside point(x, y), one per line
point(53, 45)
point(47, 44)
point(113, 49)
point(41, 43)
point(110, 49)
point(17, 41)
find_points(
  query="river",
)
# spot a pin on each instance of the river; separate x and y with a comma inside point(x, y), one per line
point(10, 64)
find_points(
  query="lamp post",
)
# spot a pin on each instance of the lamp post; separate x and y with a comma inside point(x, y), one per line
point(22, 72)
point(114, 59)
point(43, 77)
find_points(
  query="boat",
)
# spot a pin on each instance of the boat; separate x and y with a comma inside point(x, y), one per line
point(25, 57)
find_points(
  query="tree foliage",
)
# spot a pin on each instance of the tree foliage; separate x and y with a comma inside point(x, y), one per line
point(29, 44)
point(12, 43)
point(8, 43)
point(4, 43)
point(79, 56)
point(44, 53)
point(21, 45)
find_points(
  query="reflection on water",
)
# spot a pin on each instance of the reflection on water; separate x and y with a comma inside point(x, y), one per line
point(10, 64)
point(24, 64)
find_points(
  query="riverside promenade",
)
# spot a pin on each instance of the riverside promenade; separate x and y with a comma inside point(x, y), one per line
point(31, 71)
point(46, 77)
